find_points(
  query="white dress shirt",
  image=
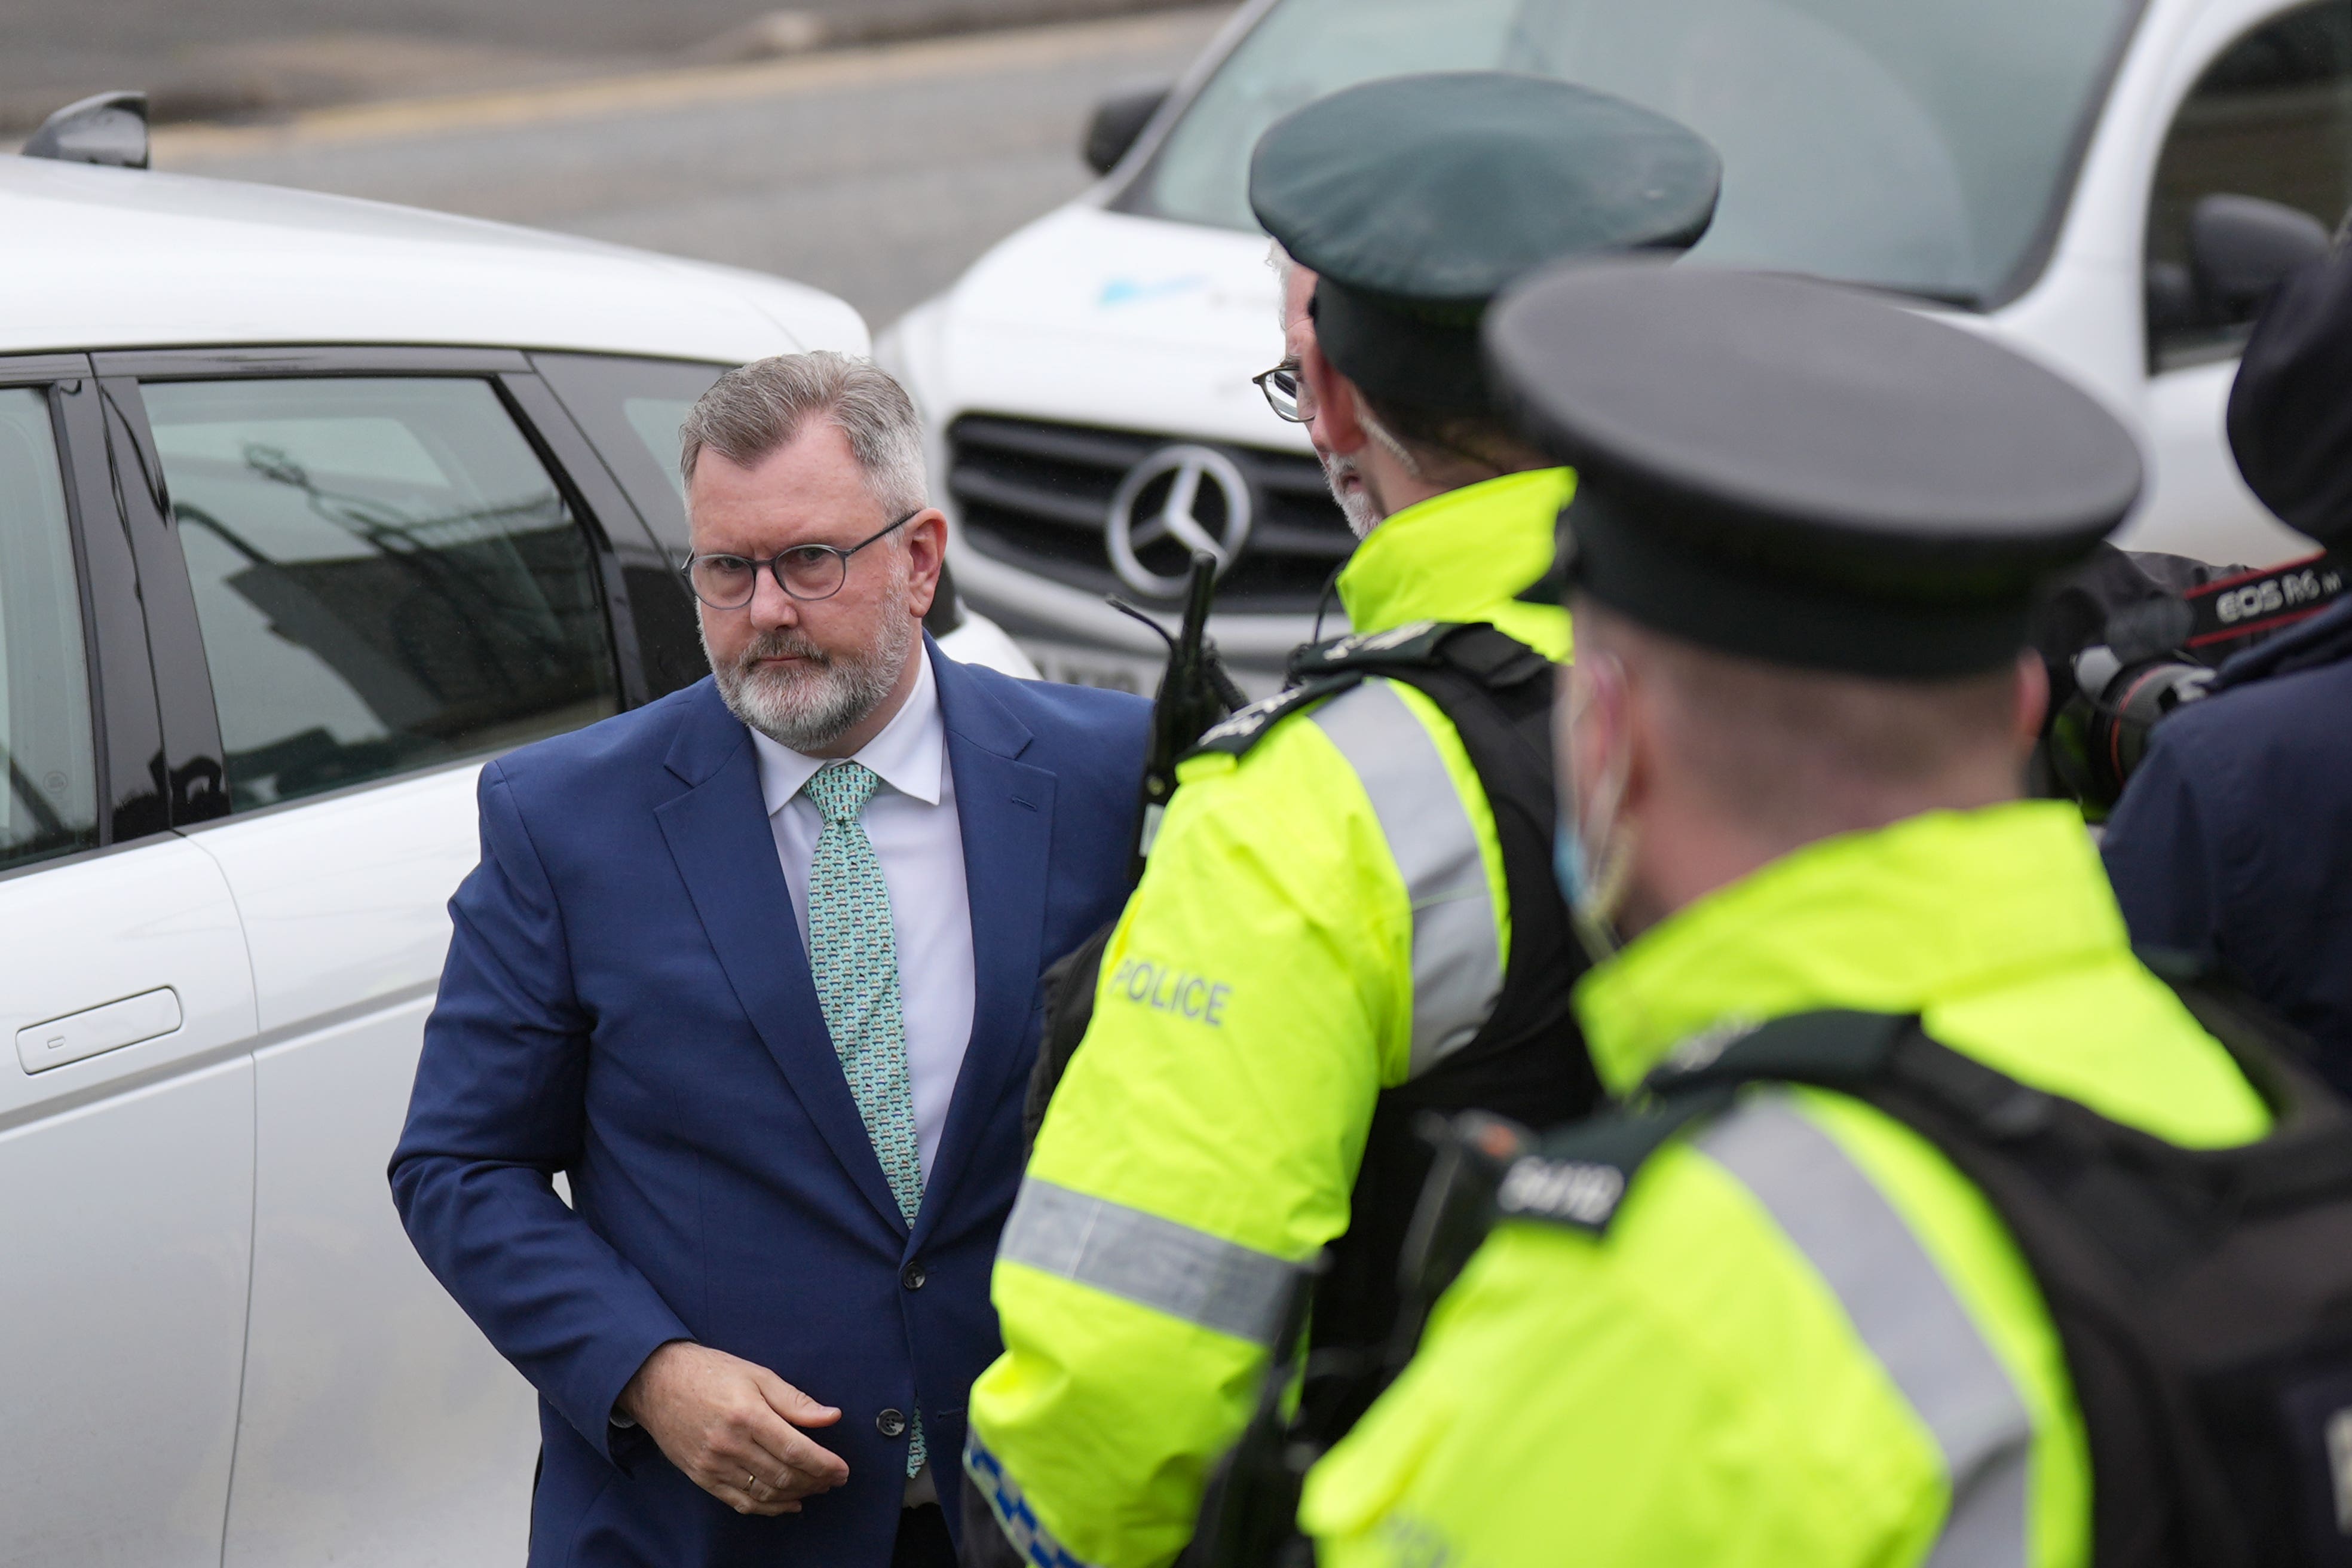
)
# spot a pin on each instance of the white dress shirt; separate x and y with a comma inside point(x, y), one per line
point(911, 820)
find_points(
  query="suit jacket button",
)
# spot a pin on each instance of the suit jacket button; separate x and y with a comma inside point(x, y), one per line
point(913, 1277)
point(891, 1424)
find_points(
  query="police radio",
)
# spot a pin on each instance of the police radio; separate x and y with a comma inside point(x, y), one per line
point(1196, 695)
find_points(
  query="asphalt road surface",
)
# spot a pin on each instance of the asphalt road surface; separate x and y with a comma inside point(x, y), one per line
point(212, 59)
point(876, 173)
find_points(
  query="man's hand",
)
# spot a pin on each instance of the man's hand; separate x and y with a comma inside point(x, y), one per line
point(729, 1424)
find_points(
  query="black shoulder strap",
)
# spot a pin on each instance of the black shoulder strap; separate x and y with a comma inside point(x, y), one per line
point(1332, 673)
point(1496, 692)
point(1245, 726)
point(1492, 658)
point(1885, 1058)
point(1579, 1175)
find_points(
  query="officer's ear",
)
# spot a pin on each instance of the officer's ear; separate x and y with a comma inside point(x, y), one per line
point(2033, 702)
point(1592, 732)
point(1644, 737)
point(1338, 419)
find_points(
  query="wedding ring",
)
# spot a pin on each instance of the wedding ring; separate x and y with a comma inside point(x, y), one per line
point(749, 1480)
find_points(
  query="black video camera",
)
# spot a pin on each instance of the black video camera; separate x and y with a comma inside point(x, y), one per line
point(2132, 639)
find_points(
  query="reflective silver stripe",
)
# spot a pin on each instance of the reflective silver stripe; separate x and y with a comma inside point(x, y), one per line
point(1457, 959)
point(1904, 1309)
point(1153, 1262)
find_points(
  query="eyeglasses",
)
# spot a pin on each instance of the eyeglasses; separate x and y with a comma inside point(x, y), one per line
point(805, 571)
point(1286, 394)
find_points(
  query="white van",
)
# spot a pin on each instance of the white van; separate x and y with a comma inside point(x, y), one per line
point(307, 506)
point(2041, 167)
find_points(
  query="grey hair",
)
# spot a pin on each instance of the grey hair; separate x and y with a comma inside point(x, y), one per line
point(752, 411)
point(1280, 258)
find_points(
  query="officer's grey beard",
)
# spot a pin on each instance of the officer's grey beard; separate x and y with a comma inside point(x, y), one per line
point(1356, 503)
point(810, 708)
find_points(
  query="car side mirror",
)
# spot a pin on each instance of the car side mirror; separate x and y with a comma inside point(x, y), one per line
point(107, 128)
point(2242, 248)
point(1118, 120)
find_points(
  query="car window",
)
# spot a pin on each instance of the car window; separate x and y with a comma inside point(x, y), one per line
point(385, 577)
point(2272, 117)
point(49, 804)
point(1902, 143)
point(632, 409)
point(654, 422)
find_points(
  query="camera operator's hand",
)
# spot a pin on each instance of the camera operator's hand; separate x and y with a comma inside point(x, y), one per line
point(732, 1426)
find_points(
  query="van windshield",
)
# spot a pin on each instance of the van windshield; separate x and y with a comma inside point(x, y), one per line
point(1909, 144)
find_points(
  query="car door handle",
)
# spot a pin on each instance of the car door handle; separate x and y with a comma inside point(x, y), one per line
point(96, 1030)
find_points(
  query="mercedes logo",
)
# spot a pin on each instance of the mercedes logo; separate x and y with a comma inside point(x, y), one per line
point(1177, 501)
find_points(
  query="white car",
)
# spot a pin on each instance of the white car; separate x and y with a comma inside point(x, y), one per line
point(2040, 167)
point(307, 506)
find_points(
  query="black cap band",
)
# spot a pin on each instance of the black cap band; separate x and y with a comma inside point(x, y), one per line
point(1629, 562)
point(1402, 355)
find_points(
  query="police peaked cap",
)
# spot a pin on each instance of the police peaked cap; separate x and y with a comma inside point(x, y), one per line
point(1805, 474)
point(2290, 405)
point(1417, 199)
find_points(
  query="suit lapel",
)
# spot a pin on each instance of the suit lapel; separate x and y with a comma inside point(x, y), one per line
point(1004, 809)
point(719, 835)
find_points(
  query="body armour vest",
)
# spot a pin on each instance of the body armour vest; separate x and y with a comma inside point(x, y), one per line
point(1527, 1062)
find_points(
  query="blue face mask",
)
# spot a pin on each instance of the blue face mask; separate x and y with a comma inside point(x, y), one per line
point(1592, 875)
point(1568, 867)
point(1591, 889)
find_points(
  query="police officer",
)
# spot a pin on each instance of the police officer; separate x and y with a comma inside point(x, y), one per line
point(2233, 838)
point(1347, 911)
point(1807, 535)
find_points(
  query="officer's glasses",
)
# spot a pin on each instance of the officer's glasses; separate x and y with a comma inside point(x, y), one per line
point(1286, 394)
point(805, 571)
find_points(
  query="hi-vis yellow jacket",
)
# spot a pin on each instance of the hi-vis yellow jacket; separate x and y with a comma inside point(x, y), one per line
point(1320, 920)
point(1807, 1341)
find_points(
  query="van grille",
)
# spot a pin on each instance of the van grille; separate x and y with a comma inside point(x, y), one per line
point(1037, 496)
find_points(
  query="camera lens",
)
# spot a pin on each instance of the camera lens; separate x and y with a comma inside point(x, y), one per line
point(2103, 732)
point(2140, 699)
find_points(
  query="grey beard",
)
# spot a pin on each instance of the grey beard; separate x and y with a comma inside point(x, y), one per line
point(1355, 505)
point(810, 710)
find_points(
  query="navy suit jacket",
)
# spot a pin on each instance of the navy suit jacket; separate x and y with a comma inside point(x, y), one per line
point(626, 1001)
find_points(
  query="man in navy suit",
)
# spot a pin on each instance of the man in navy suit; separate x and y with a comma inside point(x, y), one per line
point(756, 966)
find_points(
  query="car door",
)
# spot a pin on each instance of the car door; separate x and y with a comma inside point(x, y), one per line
point(127, 1014)
point(390, 582)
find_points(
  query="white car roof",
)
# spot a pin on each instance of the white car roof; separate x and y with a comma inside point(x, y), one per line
point(101, 258)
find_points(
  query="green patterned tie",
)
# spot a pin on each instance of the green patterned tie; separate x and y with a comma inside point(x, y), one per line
point(853, 957)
